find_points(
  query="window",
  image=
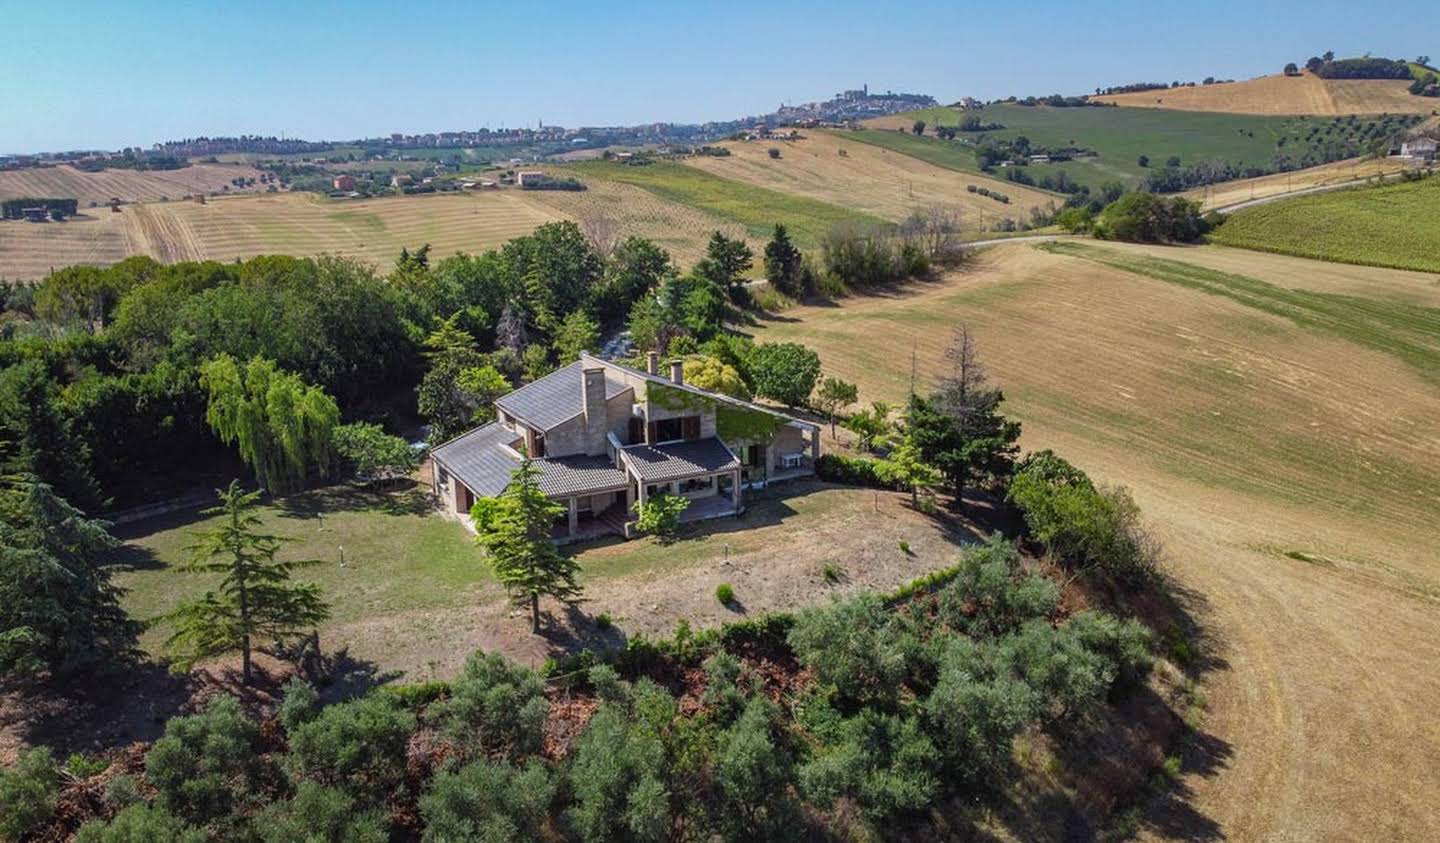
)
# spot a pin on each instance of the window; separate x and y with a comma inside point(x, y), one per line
point(684, 429)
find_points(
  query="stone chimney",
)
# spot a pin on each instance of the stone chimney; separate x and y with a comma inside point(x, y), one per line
point(592, 398)
point(677, 371)
point(652, 362)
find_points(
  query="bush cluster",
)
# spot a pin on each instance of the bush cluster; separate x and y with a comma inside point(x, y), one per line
point(1087, 526)
point(917, 697)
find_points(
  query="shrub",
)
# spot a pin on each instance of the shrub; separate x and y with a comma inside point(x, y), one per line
point(990, 596)
point(660, 516)
point(604, 621)
point(122, 792)
point(905, 547)
point(298, 705)
point(488, 800)
point(852, 471)
point(80, 767)
point(140, 824)
point(850, 644)
point(977, 708)
point(1126, 643)
point(722, 689)
point(831, 573)
point(752, 771)
point(495, 705)
point(1086, 526)
point(618, 774)
point(359, 745)
point(205, 764)
point(28, 793)
point(319, 814)
point(724, 593)
point(884, 762)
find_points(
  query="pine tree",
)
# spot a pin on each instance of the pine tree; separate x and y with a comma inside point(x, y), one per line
point(255, 596)
point(59, 611)
point(782, 263)
point(517, 539)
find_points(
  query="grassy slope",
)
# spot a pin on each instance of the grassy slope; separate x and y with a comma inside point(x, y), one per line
point(1119, 135)
point(1245, 434)
point(1390, 225)
point(756, 208)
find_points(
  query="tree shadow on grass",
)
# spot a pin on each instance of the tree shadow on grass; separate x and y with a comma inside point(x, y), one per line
point(411, 499)
point(574, 630)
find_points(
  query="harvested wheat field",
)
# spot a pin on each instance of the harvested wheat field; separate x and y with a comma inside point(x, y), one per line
point(869, 178)
point(1339, 172)
point(680, 229)
point(286, 223)
point(126, 185)
point(1275, 428)
point(1279, 94)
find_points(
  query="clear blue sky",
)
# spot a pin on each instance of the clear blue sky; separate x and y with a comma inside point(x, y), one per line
point(81, 74)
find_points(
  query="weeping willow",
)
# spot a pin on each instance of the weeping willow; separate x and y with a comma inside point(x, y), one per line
point(281, 424)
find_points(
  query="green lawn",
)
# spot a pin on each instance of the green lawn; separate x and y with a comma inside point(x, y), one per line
point(1395, 225)
point(1121, 135)
point(756, 208)
point(398, 554)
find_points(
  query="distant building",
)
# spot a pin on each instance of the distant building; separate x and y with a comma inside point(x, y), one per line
point(35, 214)
point(525, 177)
point(401, 179)
point(345, 182)
point(1419, 148)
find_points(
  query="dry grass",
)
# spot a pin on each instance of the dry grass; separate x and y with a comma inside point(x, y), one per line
point(286, 223)
point(1243, 436)
point(128, 185)
point(373, 230)
point(680, 229)
point(1279, 94)
point(1339, 172)
point(867, 178)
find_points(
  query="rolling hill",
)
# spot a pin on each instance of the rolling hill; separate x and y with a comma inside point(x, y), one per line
point(1391, 225)
point(831, 168)
point(1280, 94)
point(1120, 136)
point(1275, 437)
point(64, 181)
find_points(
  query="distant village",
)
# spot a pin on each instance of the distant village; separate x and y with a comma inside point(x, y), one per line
point(543, 140)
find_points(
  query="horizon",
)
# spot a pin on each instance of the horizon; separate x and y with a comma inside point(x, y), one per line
point(360, 74)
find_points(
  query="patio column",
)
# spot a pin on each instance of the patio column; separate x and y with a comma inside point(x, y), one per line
point(814, 444)
point(629, 496)
point(735, 488)
point(574, 516)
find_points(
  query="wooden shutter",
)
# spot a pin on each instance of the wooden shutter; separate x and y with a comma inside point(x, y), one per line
point(650, 434)
point(690, 428)
point(637, 431)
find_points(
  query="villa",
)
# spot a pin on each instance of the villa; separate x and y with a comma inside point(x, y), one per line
point(607, 436)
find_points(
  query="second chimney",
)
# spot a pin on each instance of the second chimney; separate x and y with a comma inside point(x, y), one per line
point(652, 362)
point(677, 371)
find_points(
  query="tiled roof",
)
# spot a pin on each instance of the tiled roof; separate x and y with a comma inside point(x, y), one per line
point(579, 475)
point(479, 458)
point(677, 460)
point(555, 398)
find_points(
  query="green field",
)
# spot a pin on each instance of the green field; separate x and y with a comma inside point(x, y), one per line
point(1121, 135)
point(1390, 225)
point(756, 208)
